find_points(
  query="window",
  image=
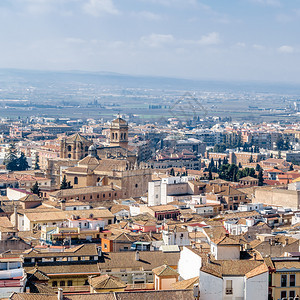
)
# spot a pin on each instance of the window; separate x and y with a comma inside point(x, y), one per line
point(76, 180)
point(105, 246)
point(62, 283)
point(283, 281)
point(292, 294)
point(69, 155)
point(228, 287)
point(103, 195)
point(69, 148)
point(86, 282)
point(54, 283)
point(70, 282)
point(98, 196)
point(136, 185)
point(292, 280)
point(283, 294)
point(109, 221)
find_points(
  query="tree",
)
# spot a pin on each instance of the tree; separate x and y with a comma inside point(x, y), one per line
point(257, 168)
point(260, 178)
point(172, 172)
point(65, 184)
point(219, 163)
point(251, 159)
point(37, 160)
point(240, 165)
point(11, 159)
point(22, 163)
point(225, 161)
point(219, 148)
point(36, 189)
point(271, 155)
point(279, 154)
point(209, 174)
point(291, 167)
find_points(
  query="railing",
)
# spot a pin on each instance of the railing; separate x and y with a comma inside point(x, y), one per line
point(140, 286)
point(228, 291)
point(75, 289)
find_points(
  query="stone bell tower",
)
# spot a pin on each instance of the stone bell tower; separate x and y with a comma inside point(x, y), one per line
point(119, 133)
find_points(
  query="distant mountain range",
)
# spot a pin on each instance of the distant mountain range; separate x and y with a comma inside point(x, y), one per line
point(61, 78)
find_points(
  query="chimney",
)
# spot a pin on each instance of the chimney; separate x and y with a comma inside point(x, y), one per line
point(112, 185)
point(254, 255)
point(196, 291)
point(208, 258)
point(16, 217)
point(60, 294)
point(137, 255)
point(27, 290)
point(286, 241)
point(63, 204)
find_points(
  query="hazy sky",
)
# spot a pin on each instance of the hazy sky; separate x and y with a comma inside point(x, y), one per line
point(205, 39)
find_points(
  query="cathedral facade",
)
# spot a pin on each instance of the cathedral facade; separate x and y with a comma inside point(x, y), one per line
point(112, 165)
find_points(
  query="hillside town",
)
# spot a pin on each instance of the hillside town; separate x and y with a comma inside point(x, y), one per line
point(120, 210)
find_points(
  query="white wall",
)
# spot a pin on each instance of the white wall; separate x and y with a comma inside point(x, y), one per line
point(237, 287)
point(154, 193)
point(189, 264)
point(211, 287)
point(257, 287)
point(14, 195)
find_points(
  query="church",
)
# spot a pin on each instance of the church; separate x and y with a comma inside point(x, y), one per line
point(112, 165)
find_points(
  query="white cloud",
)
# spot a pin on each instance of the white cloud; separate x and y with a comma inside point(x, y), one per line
point(275, 3)
point(157, 40)
point(240, 45)
point(99, 7)
point(286, 49)
point(212, 38)
point(74, 40)
point(258, 47)
point(147, 15)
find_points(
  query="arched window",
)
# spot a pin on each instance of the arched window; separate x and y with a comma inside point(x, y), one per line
point(86, 148)
point(136, 185)
point(124, 136)
point(62, 283)
point(69, 148)
point(98, 179)
point(113, 136)
point(116, 136)
point(69, 155)
point(54, 283)
point(121, 136)
point(76, 180)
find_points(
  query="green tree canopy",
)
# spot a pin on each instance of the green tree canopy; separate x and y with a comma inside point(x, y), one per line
point(36, 189)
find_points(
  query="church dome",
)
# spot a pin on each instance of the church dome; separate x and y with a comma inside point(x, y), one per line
point(92, 151)
point(92, 148)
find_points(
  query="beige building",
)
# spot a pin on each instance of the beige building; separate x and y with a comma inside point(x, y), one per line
point(277, 197)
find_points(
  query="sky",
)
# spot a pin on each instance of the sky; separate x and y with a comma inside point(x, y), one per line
point(199, 39)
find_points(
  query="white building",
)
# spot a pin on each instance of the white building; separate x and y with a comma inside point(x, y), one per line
point(12, 276)
point(225, 248)
point(238, 227)
point(166, 190)
point(232, 280)
point(189, 263)
point(178, 236)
